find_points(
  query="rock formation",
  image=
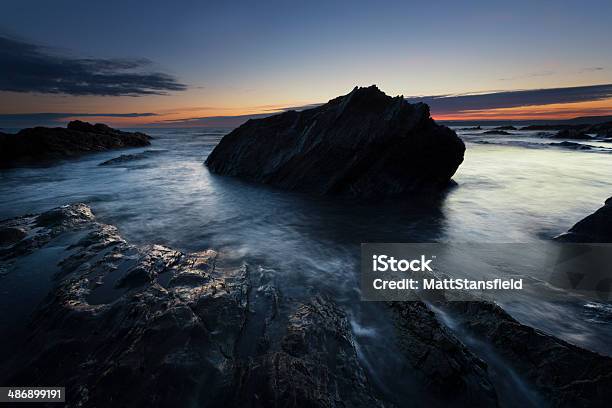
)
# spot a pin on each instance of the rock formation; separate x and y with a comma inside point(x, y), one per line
point(596, 227)
point(363, 144)
point(576, 134)
point(42, 144)
point(124, 158)
point(562, 374)
point(572, 145)
point(151, 326)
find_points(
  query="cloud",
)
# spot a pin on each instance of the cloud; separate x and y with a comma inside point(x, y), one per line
point(591, 69)
point(452, 104)
point(26, 67)
point(531, 75)
point(482, 105)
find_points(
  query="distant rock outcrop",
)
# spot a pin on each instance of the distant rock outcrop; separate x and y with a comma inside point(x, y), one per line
point(42, 144)
point(363, 144)
point(579, 131)
point(125, 158)
point(572, 145)
point(596, 227)
point(576, 134)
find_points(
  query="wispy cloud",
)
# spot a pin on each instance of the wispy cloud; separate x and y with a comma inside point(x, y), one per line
point(591, 69)
point(26, 67)
point(530, 75)
point(445, 105)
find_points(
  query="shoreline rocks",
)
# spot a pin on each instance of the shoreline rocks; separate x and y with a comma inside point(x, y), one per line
point(363, 144)
point(42, 144)
point(572, 145)
point(152, 326)
point(575, 134)
point(595, 228)
point(451, 372)
point(124, 158)
point(564, 374)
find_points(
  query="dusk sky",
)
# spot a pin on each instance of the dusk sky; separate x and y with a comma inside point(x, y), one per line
point(168, 61)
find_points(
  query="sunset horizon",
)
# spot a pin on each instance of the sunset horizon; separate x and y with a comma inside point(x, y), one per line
point(571, 108)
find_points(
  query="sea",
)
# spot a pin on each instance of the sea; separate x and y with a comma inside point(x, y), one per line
point(511, 189)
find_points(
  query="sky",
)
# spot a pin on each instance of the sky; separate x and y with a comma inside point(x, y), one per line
point(131, 63)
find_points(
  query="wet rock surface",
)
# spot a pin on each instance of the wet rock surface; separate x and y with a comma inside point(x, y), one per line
point(149, 325)
point(315, 365)
point(152, 326)
point(448, 368)
point(563, 374)
point(42, 144)
point(596, 227)
point(363, 144)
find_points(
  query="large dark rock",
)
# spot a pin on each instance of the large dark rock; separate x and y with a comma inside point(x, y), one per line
point(362, 144)
point(135, 326)
point(41, 144)
point(596, 227)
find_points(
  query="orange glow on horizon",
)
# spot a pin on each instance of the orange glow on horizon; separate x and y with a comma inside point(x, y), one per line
point(536, 112)
point(183, 116)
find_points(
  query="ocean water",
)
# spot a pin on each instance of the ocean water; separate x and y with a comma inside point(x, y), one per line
point(510, 189)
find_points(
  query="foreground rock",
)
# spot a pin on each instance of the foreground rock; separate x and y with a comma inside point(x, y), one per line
point(562, 374)
point(315, 365)
point(362, 144)
point(596, 227)
point(41, 144)
point(151, 326)
point(450, 371)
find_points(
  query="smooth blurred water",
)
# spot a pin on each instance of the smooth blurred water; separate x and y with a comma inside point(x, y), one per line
point(513, 189)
